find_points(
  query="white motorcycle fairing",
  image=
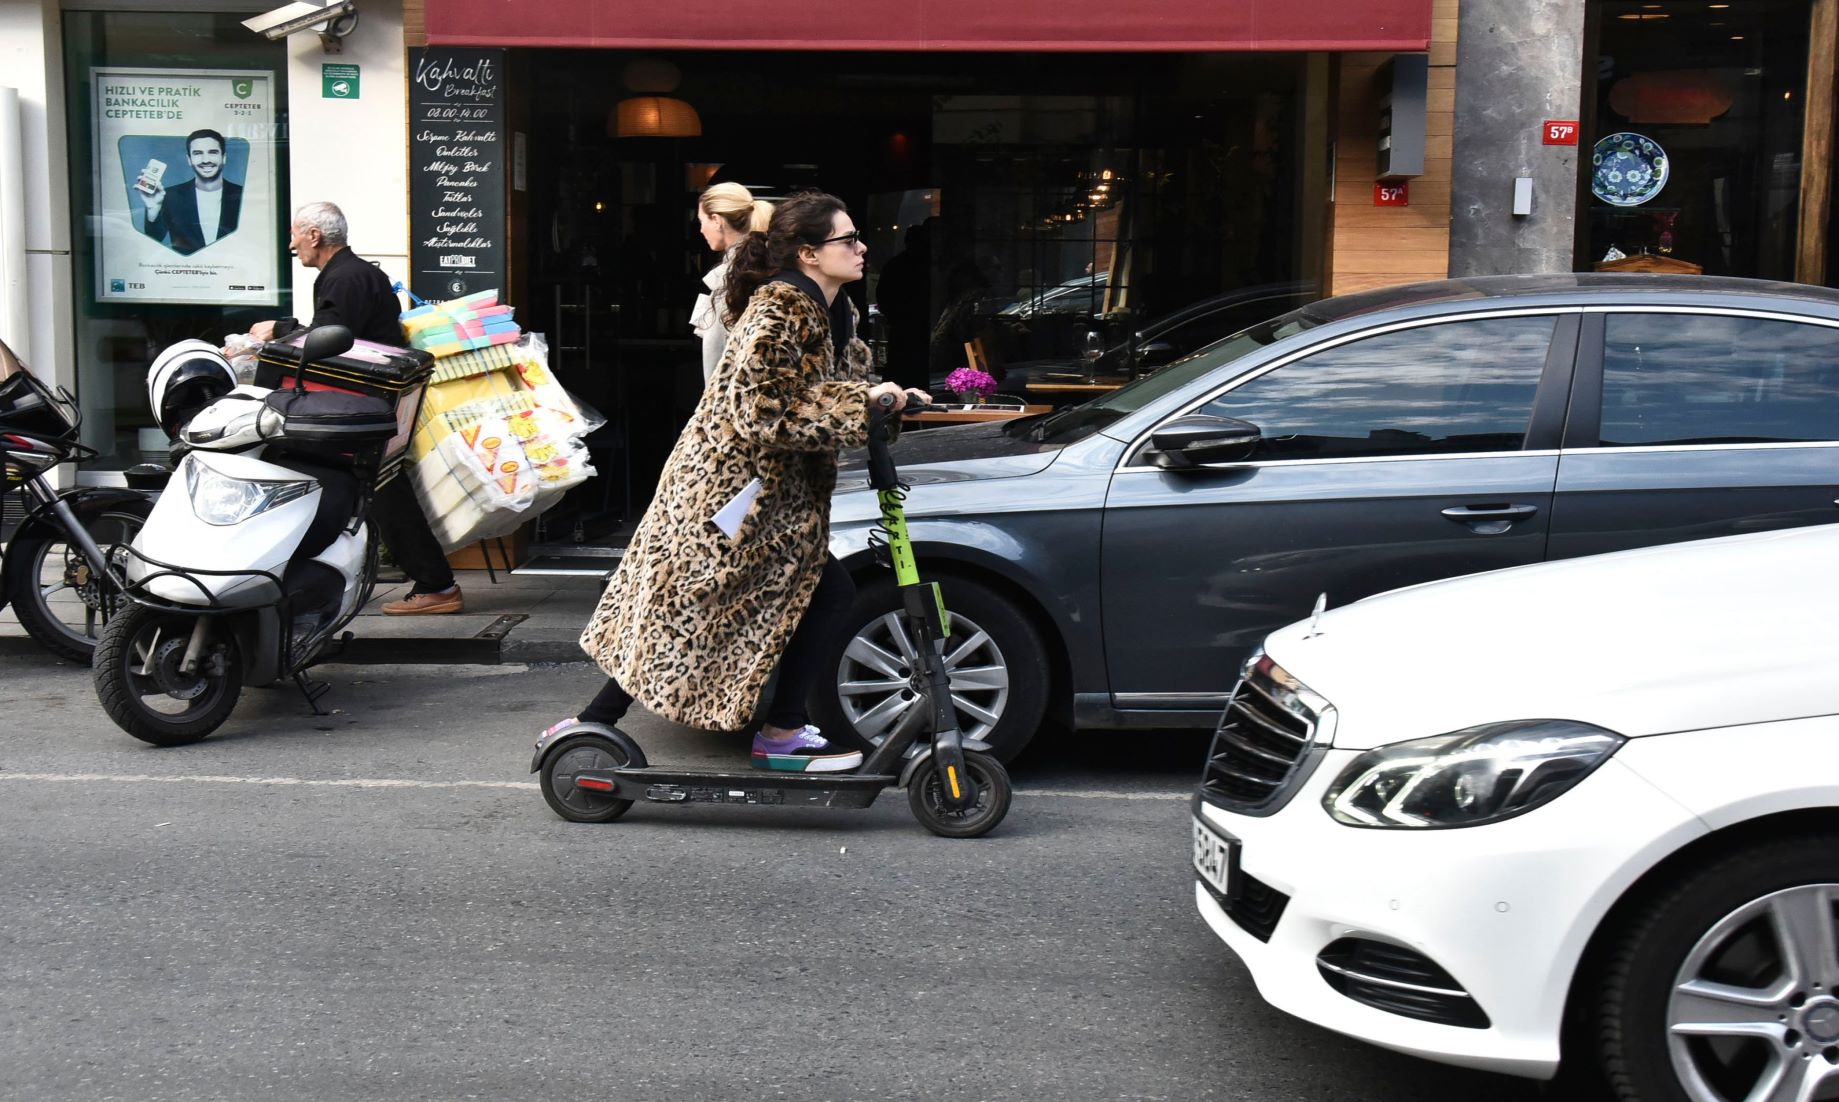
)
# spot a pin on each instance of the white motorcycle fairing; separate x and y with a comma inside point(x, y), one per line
point(178, 537)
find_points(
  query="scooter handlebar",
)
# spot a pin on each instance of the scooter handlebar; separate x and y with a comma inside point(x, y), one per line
point(885, 404)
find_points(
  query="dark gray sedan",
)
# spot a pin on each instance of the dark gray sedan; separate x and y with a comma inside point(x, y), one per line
point(1109, 565)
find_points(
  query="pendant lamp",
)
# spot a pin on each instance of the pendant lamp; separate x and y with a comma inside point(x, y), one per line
point(655, 117)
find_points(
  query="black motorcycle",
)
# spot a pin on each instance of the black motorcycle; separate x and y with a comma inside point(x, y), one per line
point(61, 569)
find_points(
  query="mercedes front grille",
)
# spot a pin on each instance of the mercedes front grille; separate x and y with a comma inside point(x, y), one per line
point(1268, 739)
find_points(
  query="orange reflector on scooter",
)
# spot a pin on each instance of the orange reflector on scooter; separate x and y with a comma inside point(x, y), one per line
point(594, 783)
point(951, 773)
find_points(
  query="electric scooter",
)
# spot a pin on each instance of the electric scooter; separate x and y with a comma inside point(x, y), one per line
point(594, 773)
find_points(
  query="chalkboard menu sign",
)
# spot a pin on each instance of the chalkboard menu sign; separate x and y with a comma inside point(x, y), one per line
point(457, 152)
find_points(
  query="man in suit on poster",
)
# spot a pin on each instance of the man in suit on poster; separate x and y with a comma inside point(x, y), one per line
point(189, 216)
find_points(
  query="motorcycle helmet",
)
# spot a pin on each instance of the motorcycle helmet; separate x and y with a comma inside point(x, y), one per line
point(184, 379)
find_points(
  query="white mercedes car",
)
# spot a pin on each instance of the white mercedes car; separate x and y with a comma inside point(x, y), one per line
point(1586, 810)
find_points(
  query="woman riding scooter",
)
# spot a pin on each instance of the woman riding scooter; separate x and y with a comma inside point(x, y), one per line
point(695, 619)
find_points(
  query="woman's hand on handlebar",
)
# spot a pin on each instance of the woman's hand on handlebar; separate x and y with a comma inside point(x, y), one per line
point(893, 396)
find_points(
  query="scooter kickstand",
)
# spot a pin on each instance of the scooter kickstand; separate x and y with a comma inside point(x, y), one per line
point(312, 690)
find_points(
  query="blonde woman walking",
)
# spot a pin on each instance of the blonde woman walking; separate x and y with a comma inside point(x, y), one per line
point(728, 213)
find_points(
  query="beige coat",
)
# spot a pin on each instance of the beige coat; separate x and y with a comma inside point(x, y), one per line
point(692, 622)
point(706, 318)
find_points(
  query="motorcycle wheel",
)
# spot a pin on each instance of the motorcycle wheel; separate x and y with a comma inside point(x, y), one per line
point(60, 598)
point(140, 684)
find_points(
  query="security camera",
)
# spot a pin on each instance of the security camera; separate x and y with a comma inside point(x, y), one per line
point(333, 20)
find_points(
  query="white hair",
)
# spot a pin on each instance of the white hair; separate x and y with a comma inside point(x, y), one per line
point(326, 218)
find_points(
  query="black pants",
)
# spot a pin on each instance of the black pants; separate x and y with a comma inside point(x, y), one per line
point(800, 666)
point(404, 530)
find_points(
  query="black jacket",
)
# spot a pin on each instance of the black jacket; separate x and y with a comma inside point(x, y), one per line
point(178, 223)
point(352, 292)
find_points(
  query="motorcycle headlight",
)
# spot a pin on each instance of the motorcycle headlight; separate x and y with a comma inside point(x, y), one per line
point(1466, 778)
point(219, 499)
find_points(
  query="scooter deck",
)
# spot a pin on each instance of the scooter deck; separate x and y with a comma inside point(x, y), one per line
point(676, 786)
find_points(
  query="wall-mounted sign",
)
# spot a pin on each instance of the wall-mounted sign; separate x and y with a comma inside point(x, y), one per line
point(456, 171)
point(338, 81)
point(1391, 195)
point(1560, 132)
point(1627, 169)
point(185, 186)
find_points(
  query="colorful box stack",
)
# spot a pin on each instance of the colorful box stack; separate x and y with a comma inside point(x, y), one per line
point(459, 325)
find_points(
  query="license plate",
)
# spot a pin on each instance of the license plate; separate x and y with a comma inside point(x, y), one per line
point(1213, 856)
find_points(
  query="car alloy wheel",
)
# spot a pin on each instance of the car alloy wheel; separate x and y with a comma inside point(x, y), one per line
point(1753, 1008)
point(1724, 986)
point(874, 677)
point(994, 657)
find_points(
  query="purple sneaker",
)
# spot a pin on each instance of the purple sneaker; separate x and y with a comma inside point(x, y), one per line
point(807, 751)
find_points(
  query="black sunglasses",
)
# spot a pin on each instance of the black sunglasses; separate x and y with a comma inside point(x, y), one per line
point(852, 238)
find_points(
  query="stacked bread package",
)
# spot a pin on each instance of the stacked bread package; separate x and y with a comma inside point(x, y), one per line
point(498, 440)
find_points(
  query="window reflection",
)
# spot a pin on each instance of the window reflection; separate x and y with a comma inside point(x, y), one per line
point(1457, 387)
point(1704, 379)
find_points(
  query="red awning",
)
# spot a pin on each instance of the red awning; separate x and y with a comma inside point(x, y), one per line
point(1098, 25)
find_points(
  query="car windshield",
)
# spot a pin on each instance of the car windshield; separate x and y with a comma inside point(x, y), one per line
point(1064, 426)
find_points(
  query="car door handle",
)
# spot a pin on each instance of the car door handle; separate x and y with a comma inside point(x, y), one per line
point(1463, 514)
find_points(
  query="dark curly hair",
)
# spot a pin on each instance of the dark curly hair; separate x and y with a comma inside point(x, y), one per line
point(804, 219)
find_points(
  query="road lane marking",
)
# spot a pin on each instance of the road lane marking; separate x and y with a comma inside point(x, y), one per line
point(403, 782)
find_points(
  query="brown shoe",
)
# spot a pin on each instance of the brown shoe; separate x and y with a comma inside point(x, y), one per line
point(426, 604)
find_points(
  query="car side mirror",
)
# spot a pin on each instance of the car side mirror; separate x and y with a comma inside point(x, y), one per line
point(325, 342)
point(1200, 438)
point(1156, 353)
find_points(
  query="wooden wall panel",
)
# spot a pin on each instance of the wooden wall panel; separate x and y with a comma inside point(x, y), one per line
point(1373, 246)
point(414, 23)
point(1812, 265)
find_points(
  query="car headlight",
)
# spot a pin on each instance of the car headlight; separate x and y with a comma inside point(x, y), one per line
point(220, 499)
point(1466, 778)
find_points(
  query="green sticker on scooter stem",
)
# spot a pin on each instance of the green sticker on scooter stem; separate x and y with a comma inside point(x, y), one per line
point(900, 548)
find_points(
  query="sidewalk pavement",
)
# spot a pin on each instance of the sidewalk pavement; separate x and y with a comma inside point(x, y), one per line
point(520, 618)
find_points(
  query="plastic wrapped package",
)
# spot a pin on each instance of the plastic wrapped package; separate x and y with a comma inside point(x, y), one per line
point(478, 483)
point(486, 408)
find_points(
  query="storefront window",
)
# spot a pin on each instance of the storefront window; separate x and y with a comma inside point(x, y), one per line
point(1692, 160)
point(178, 185)
point(1035, 204)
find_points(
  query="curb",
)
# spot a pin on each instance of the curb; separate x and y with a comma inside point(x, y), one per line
point(404, 652)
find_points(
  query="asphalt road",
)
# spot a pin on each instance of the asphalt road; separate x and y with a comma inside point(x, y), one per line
point(378, 904)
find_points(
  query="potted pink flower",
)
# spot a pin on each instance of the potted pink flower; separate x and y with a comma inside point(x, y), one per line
point(971, 385)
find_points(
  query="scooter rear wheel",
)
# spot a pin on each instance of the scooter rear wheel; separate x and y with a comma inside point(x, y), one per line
point(584, 753)
point(143, 688)
point(926, 796)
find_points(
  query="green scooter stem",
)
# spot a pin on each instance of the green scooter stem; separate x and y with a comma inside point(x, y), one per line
point(924, 608)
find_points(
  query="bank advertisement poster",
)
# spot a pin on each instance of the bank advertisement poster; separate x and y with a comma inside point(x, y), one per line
point(185, 186)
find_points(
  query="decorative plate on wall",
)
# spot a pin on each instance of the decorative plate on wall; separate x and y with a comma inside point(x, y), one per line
point(1629, 169)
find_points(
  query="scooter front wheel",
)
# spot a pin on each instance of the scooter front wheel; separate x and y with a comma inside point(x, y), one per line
point(926, 796)
point(143, 688)
point(578, 754)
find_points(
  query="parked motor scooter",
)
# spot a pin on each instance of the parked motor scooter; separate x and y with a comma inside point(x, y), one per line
point(249, 569)
point(60, 569)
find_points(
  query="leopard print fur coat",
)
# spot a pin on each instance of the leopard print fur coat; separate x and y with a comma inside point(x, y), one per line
point(692, 623)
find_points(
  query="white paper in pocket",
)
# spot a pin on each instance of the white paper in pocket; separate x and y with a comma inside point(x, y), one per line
point(729, 517)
